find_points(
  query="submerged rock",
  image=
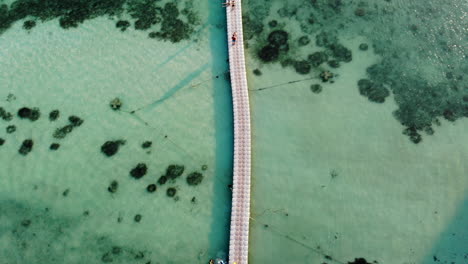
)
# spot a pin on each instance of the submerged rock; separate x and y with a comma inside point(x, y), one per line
point(10, 129)
point(162, 180)
point(139, 171)
point(302, 67)
point(278, 38)
point(63, 131)
point(174, 171)
point(268, 53)
point(75, 121)
point(317, 58)
point(360, 261)
point(334, 64)
point(29, 24)
point(194, 178)
point(54, 146)
point(146, 144)
point(151, 188)
point(110, 148)
point(316, 88)
point(363, 47)
point(257, 72)
point(273, 23)
point(2, 141)
point(28, 113)
point(54, 114)
point(26, 147)
point(341, 53)
point(171, 192)
point(324, 39)
point(303, 41)
point(373, 91)
point(122, 25)
point(113, 186)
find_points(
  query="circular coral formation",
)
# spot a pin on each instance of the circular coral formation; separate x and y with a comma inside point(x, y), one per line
point(171, 192)
point(139, 171)
point(194, 178)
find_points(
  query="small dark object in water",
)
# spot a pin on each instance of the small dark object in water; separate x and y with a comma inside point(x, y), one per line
point(265, 225)
point(204, 167)
point(302, 67)
point(75, 121)
point(304, 40)
point(230, 186)
point(139, 171)
point(174, 171)
point(171, 192)
point(146, 144)
point(109, 148)
point(7, 116)
point(26, 222)
point(122, 24)
point(2, 141)
point(35, 114)
point(363, 47)
point(360, 12)
point(66, 192)
point(334, 64)
point(63, 131)
point(116, 250)
point(317, 58)
point(151, 188)
point(24, 112)
point(86, 213)
point(325, 76)
point(268, 53)
point(10, 129)
point(316, 88)
point(194, 178)
point(54, 114)
point(137, 218)
point(54, 146)
point(328, 257)
point(341, 53)
point(257, 72)
point(114, 185)
point(373, 91)
point(273, 23)
point(29, 24)
point(194, 200)
point(26, 147)
point(360, 261)
point(106, 258)
point(115, 104)
point(162, 180)
point(139, 255)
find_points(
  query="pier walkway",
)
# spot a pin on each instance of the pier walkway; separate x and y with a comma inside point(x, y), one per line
point(240, 215)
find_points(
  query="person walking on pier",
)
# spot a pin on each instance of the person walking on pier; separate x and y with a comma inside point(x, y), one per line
point(234, 38)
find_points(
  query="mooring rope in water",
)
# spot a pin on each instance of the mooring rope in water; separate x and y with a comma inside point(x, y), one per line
point(281, 84)
point(294, 240)
point(217, 76)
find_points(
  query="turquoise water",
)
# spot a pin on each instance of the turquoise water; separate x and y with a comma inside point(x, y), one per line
point(165, 61)
point(359, 131)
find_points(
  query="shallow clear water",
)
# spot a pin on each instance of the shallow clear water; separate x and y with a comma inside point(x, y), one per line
point(367, 161)
point(60, 206)
point(370, 163)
